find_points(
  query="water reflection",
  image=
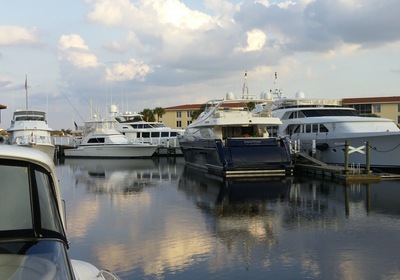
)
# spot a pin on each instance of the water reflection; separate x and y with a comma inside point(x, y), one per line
point(156, 219)
point(123, 176)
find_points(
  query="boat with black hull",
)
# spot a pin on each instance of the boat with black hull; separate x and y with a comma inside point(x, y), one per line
point(229, 140)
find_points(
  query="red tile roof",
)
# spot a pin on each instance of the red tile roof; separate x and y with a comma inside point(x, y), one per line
point(385, 99)
point(184, 107)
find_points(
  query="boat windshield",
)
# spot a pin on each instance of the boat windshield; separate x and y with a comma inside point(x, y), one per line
point(28, 204)
point(45, 259)
point(327, 112)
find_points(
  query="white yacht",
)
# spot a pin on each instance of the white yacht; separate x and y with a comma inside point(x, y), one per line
point(229, 140)
point(33, 240)
point(101, 139)
point(321, 127)
point(135, 128)
point(29, 128)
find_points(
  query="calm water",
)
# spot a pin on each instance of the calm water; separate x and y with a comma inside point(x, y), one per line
point(154, 219)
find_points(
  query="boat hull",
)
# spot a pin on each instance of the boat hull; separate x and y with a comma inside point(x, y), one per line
point(111, 151)
point(384, 149)
point(239, 157)
point(47, 149)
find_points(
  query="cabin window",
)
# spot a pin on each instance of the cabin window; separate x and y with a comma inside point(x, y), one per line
point(297, 129)
point(145, 134)
point(164, 134)
point(15, 201)
point(96, 140)
point(155, 134)
point(174, 134)
point(48, 208)
point(363, 109)
point(322, 128)
point(314, 128)
point(308, 128)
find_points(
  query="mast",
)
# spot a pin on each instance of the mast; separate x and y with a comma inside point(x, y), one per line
point(245, 90)
point(26, 92)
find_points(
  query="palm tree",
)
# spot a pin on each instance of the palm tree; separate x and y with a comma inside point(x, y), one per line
point(159, 111)
point(148, 115)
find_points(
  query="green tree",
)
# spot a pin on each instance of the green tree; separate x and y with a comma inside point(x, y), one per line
point(196, 114)
point(148, 115)
point(159, 111)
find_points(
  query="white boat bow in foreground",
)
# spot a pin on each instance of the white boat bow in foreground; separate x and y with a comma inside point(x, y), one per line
point(33, 241)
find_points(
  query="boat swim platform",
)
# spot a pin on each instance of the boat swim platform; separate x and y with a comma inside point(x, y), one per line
point(311, 166)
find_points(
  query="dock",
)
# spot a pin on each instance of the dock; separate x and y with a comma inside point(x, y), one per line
point(307, 164)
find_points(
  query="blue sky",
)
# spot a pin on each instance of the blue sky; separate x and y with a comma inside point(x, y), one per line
point(80, 55)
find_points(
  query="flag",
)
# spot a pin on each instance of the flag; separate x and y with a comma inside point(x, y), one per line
point(76, 126)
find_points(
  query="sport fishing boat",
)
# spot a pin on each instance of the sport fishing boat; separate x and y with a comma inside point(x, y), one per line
point(321, 127)
point(229, 140)
point(137, 129)
point(101, 139)
point(29, 128)
point(33, 241)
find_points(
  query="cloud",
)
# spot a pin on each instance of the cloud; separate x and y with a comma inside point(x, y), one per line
point(129, 71)
point(256, 40)
point(15, 35)
point(73, 49)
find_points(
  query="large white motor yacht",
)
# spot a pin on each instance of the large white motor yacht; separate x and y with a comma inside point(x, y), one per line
point(29, 128)
point(101, 139)
point(228, 139)
point(137, 129)
point(322, 127)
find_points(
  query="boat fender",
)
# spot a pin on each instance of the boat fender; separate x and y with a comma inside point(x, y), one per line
point(2, 139)
point(322, 147)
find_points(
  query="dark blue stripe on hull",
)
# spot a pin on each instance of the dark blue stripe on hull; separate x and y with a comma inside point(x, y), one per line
point(245, 154)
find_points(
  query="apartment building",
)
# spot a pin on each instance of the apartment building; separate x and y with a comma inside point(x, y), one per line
point(179, 116)
point(384, 107)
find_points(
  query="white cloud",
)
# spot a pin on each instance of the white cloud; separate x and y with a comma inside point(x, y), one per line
point(129, 71)
point(73, 49)
point(147, 15)
point(14, 35)
point(256, 40)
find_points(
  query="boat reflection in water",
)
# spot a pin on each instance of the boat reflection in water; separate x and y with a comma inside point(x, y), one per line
point(159, 219)
point(114, 176)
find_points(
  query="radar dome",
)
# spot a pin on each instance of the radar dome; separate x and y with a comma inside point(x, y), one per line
point(300, 94)
point(114, 109)
point(230, 96)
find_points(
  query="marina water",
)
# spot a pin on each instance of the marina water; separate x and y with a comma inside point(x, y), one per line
point(156, 219)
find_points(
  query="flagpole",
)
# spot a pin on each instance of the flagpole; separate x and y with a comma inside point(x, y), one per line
point(26, 91)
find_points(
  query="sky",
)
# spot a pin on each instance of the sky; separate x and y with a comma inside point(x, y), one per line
point(81, 56)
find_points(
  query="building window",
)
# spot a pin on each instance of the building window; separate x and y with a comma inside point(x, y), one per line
point(363, 109)
point(376, 108)
point(179, 114)
point(188, 122)
point(189, 114)
point(178, 123)
point(398, 107)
